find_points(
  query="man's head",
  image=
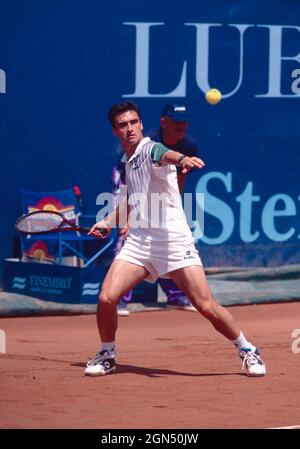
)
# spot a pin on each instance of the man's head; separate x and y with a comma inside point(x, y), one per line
point(125, 119)
point(174, 122)
point(119, 108)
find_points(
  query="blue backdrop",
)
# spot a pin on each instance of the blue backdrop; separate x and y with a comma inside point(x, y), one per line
point(64, 62)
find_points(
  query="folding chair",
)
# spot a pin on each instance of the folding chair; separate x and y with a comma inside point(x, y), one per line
point(52, 247)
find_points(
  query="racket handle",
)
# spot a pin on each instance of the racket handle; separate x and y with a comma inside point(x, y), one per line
point(104, 232)
point(86, 230)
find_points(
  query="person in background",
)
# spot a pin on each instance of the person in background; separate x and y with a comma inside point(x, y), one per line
point(172, 133)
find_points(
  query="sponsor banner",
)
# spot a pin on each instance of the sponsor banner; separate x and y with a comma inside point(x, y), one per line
point(247, 221)
point(65, 284)
point(49, 282)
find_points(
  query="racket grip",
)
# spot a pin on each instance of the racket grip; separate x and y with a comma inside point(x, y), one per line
point(86, 230)
point(104, 232)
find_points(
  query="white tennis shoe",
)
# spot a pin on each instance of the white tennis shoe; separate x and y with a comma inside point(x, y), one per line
point(103, 363)
point(252, 362)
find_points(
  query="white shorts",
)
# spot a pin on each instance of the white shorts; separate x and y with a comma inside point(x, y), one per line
point(159, 258)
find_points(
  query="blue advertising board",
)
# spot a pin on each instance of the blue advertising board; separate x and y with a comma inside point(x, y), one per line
point(62, 64)
point(64, 284)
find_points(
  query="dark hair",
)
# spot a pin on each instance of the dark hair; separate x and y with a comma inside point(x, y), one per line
point(119, 108)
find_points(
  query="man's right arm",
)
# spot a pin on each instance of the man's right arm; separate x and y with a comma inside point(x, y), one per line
point(118, 217)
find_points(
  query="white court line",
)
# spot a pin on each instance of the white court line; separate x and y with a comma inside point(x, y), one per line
point(286, 427)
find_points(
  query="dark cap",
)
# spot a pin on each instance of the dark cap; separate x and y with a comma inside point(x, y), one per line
point(176, 112)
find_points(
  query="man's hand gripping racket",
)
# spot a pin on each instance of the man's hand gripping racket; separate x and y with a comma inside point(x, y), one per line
point(44, 222)
point(101, 229)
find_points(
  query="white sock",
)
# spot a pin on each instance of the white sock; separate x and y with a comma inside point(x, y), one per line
point(241, 342)
point(109, 346)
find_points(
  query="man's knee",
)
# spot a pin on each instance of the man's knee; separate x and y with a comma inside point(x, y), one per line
point(206, 306)
point(107, 300)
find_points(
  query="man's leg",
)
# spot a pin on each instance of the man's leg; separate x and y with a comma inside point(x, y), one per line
point(175, 297)
point(192, 281)
point(121, 277)
point(122, 309)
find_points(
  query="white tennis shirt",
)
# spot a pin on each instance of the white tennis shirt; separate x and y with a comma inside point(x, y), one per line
point(156, 212)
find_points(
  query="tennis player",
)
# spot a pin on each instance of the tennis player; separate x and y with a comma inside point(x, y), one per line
point(152, 249)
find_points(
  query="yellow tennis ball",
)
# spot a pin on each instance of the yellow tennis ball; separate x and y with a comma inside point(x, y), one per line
point(213, 96)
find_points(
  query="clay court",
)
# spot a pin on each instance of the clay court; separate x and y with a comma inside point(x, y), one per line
point(174, 372)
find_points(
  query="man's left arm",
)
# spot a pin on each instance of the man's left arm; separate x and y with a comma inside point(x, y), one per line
point(185, 162)
point(160, 153)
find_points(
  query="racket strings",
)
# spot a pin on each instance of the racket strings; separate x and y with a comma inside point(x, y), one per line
point(40, 222)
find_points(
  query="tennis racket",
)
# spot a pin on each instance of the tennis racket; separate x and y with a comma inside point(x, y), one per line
point(45, 221)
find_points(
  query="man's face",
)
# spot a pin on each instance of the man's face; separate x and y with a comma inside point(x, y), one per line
point(176, 130)
point(128, 128)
